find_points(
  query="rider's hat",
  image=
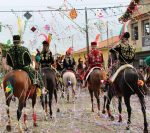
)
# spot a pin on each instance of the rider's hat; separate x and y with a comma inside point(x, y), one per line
point(16, 38)
point(126, 35)
point(45, 43)
point(93, 44)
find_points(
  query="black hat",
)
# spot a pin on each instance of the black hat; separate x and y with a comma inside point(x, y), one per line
point(45, 43)
point(126, 35)
point(16, 38)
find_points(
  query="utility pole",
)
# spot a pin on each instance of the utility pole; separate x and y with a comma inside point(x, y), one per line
point(107, 36)
point(55, 50)
point(72, 41)
point(86, 30)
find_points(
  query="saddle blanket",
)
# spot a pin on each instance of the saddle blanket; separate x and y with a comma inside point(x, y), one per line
point(91, 71)
point(113, 77)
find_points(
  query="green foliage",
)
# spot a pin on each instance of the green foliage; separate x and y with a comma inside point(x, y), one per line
point(4, 48)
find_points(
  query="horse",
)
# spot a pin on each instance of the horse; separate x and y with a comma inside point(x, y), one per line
point(95, 84)
point(69, 80)
point(22, 88)
point(127, 83)
point(49, 79)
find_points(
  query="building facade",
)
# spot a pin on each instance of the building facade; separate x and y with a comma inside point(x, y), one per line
point(138, 15)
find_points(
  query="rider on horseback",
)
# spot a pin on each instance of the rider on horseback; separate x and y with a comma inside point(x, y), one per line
point(126, 54)
point(80, 69)
point(94, 59)
point(69, 62)
point(18, 57)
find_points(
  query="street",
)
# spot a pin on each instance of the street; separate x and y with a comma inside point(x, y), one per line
point(76, 117)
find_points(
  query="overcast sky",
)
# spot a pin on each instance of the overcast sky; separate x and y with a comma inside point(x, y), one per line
point(61, 27)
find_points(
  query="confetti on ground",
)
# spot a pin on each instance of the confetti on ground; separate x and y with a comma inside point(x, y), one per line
point(76, 117)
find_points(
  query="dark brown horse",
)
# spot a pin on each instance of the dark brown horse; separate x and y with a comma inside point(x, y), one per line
point(94, 85)
point(125, 85)
point(22, 89)
point(49, 79)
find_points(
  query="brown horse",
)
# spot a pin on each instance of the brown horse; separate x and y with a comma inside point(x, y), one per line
point(22, 89)
point(95, 84)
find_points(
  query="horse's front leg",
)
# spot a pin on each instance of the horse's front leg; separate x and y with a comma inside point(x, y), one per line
point(120, 108)
point(55, 95)
point(143, 108)
point(105, 98)
point(25, 117)
point(96, 93)
point(73, 92)
point(34, 113)
point(50, 103)
point(108, 107)
point(127, 103)
point(8, 127)
point(19, 113)
point(91, 94)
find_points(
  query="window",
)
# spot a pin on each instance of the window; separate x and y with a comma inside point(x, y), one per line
point(146, 28)
point(135, 34)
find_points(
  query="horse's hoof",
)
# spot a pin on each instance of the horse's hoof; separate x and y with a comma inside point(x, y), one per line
point(127, 128)
point(51, 117)
point(58, 110)
point(21, 131)
point(26, 129)
point(120, 119)
point(103, 112)
point(112, 118)
point(45, 118)
point(8, 128)
point(145, 131)
point(35, 124)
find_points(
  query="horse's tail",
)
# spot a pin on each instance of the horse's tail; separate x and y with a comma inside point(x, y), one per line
point(143, 84)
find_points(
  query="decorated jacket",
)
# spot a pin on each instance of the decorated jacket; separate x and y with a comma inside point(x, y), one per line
point(69, 63)
point(126, 53)
point(18, 57)
point(95, 58)
point(46, 59)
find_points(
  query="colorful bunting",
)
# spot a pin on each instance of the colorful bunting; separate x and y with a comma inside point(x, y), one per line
point(73, 14)
point(27, 15)
point(33, 29)
point(19, 26)
point(47, 27)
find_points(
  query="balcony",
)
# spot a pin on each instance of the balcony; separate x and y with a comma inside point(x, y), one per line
point(146, 41)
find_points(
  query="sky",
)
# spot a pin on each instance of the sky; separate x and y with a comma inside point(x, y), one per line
point(65, 32)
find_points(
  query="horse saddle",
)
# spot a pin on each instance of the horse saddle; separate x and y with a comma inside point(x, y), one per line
point(91, 71)
point(113, 77)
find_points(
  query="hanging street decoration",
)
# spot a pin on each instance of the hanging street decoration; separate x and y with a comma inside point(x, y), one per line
point(0, 27)
point(47, 27)
point(131, 8)
point(73, 13)
point(27, 15)
point(33, 29)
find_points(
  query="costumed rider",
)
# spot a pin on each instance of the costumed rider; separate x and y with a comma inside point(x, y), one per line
point(125, 55)
point(80, 69)
point(94, 60)
point(69, 62)
point(46, 59)
point(18, 57)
